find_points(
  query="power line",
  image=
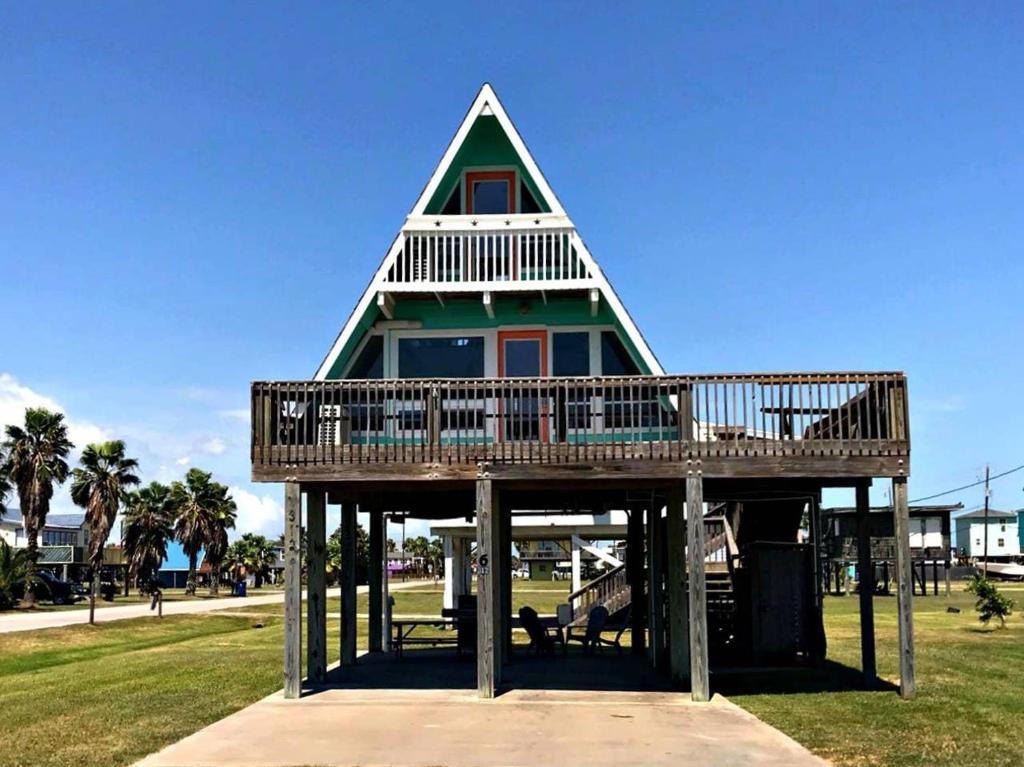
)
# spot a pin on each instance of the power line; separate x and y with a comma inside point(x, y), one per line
point(966, 487)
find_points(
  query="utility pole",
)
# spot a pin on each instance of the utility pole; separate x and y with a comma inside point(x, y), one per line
point(985, 572)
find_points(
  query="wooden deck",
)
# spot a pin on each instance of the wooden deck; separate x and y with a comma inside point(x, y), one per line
point(643, 427)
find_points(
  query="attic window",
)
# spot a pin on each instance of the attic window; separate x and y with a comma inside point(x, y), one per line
point(491, 192)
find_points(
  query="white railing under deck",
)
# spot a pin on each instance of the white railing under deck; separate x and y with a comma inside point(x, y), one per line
point(477, 253)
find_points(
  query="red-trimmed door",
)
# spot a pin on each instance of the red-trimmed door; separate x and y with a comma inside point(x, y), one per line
point(523, 414)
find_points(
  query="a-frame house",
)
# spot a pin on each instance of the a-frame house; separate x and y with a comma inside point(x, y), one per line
point(490, 368)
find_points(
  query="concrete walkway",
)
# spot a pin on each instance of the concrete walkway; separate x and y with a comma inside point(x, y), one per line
point(539, 728)
point(30, 621)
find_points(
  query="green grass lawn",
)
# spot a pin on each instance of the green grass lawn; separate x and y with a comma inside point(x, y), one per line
point(969, 709)
point(112, 693)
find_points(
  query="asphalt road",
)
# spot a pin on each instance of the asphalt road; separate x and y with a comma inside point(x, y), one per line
point(30, 621)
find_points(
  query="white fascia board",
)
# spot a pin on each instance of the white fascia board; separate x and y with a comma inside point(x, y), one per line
point(486, 102)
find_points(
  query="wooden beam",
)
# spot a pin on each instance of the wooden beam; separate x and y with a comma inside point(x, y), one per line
point(348, 584)
point(375, 577)
point(487, 535)
point(904, 588)
point(700, 683)
point(866, 587)
point(385, 464)
point(386, 304)
point(316, 586)
point(675, 577)
point(292, 590)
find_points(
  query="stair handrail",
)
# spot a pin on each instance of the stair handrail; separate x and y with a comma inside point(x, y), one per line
point(603, 586)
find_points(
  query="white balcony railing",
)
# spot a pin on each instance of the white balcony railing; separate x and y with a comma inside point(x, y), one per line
point(467, 253)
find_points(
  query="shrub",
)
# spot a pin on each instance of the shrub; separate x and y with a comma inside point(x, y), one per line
point(991, 604)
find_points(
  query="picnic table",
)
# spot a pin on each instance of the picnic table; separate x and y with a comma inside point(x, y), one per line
point(404, 629)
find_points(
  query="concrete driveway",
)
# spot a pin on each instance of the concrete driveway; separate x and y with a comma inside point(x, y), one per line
point(30, 621)
point(546, 728)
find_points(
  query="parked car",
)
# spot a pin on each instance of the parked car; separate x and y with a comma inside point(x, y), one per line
point(50, 588)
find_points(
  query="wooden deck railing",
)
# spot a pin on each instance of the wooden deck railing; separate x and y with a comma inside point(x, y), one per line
point(578, 420)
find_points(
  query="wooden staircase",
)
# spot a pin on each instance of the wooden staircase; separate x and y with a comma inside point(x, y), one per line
point(609, 589)
point(722, 568)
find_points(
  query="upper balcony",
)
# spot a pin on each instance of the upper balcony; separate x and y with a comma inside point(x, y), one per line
point(514, 252)
point(820, 425)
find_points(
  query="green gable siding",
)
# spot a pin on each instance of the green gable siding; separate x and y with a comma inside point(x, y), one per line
point(469, 314)
point(485, 145)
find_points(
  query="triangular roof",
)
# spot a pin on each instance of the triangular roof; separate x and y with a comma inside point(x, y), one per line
point(486, 104)
point(993, 515)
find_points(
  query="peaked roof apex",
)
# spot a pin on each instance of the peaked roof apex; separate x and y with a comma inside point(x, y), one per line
point(487, 104)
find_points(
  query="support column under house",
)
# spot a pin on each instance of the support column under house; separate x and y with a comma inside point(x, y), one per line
point(292, 590)
point(316, 586)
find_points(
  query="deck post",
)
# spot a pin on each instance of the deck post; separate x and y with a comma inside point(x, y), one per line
point(348, 584)
point(488, 631)
point(904, 588)
point(292, 590)
point(376, 581)
point(635, 576)
point(700, 686)
point(675, 578)
point(316, 586)
point(448, 543)
point(866, 587)
point(655, 597)
point(576, 559)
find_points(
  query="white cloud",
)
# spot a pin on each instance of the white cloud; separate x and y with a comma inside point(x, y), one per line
point(214, 446)
point(15, 398)
point(257, 513)
point(185, 460)
point(241, 414)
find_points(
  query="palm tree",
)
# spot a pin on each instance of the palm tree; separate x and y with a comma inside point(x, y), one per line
point(257, 554)
point(13, 571)
point(98, 486)
point(5, 484)
point(195, 504)
point(220, 521)
point(149, 524)
point(34, 464)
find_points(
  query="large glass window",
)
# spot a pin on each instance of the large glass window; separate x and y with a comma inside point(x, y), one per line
point(615, 360)
point(441, 357)
point(370, 362)
point(570, 354)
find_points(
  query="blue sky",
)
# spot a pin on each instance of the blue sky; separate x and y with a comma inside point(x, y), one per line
point(192, 198)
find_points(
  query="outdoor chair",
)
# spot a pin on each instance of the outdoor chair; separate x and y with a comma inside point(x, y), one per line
point(597, 623)
point(542, 638)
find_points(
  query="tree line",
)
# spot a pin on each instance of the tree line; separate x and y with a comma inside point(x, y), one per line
point(196, 511)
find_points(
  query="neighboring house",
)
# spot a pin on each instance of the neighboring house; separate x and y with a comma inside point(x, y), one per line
point(930, 545)
point(173, 573)
point(1003, 534)
point(490, 369)
point(62, 541)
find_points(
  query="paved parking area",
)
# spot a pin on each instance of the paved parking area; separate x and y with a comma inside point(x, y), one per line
point(449, 728)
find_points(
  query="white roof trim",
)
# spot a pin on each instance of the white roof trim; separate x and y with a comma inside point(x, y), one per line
point(487, 99)
point(487, 103)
